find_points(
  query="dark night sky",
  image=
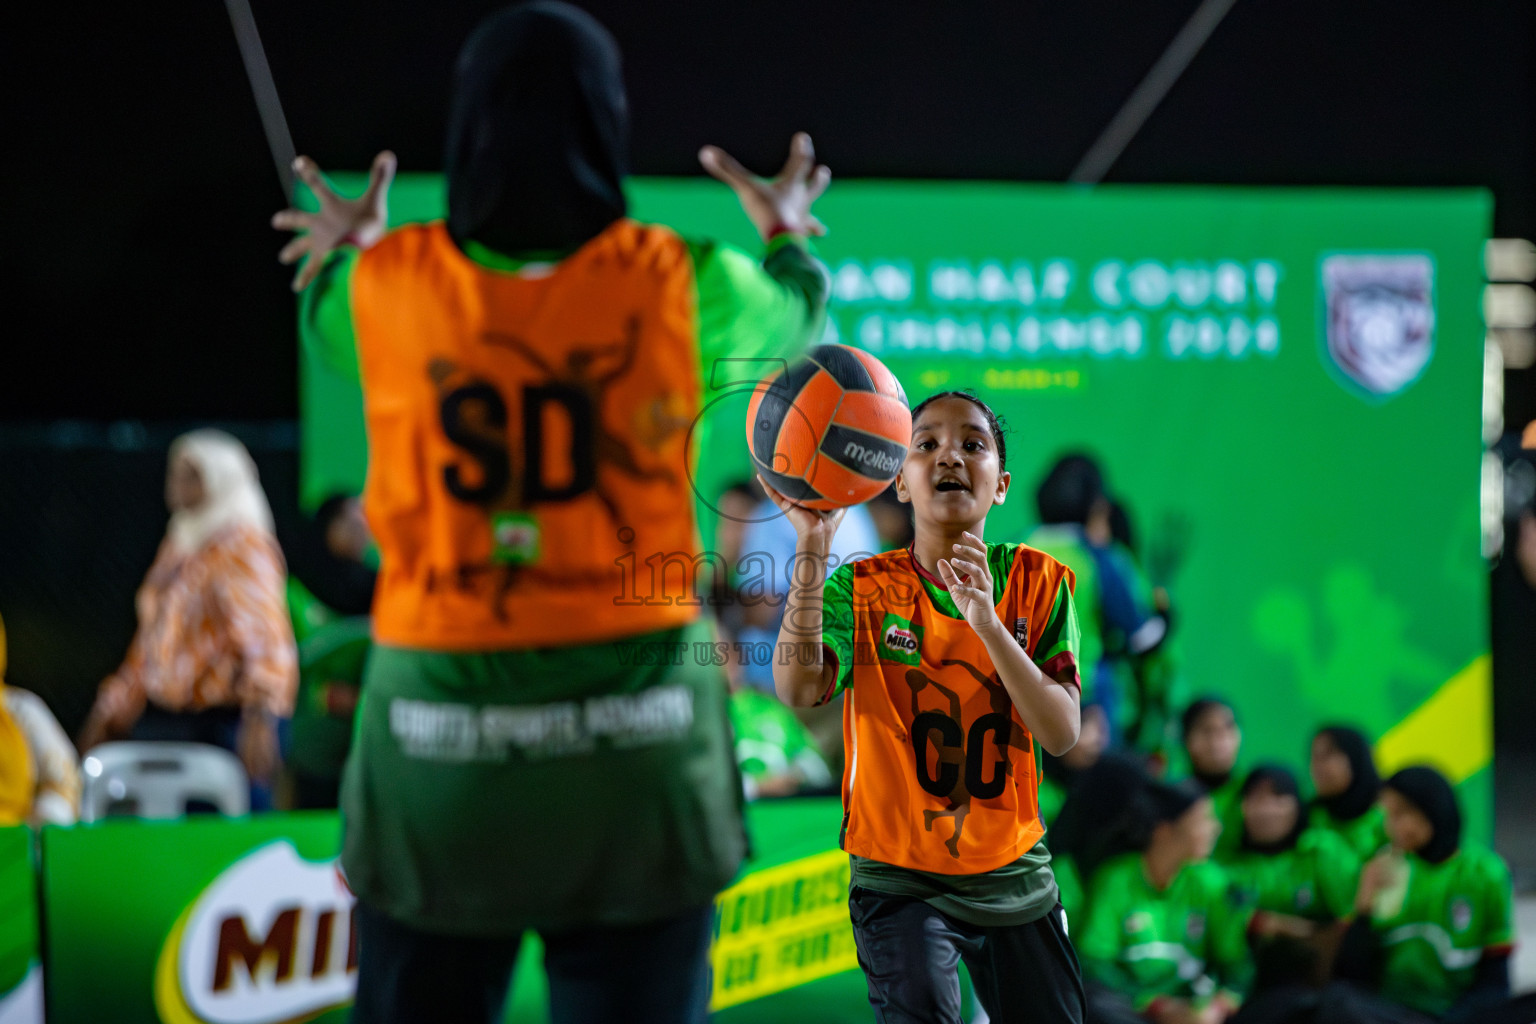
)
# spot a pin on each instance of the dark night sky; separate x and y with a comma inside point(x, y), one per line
point(141, 276)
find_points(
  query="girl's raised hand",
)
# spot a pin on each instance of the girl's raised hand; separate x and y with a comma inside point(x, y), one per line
point(782, 202)
point(361, 221)
point(969, 580)
point(809, 523)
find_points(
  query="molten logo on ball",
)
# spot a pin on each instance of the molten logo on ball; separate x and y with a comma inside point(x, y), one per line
point(872, 458)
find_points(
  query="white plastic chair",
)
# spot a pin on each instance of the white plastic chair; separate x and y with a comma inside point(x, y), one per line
point(158, 779)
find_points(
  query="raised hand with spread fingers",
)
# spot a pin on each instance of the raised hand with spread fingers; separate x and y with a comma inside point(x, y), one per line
point(360, 222)
point(969, 580)
point(782, 203)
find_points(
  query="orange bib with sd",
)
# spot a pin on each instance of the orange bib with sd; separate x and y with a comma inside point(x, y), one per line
point(527, 439)
point(940, 774)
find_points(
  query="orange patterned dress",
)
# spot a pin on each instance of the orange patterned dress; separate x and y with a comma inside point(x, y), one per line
point(213, 632)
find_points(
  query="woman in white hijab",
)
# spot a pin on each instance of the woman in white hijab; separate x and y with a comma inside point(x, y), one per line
point(213, 660)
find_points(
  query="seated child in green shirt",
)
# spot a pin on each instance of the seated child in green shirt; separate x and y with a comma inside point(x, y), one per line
point(1060, 778)
point(1435, 925)
point(1165, 939)
point(1301, 881)
point(1346, 783)
point(1212, 740)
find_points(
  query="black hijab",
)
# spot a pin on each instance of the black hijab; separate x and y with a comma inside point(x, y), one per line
point(1283, 782)
point(1167, 801)
point(1364, 782)
point(1158, 801)
point(1115, 808)
point(1429, 791)
point(1099, 817)
point(341, 584)
point(1058, 771)
point(537, 132)
point(1197, 710)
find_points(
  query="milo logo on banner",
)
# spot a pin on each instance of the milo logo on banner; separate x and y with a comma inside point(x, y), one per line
point(900, 641)
point(271, 940)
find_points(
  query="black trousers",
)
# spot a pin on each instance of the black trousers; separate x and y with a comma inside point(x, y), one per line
point(1343, 1003)
point(651, 974)
point(1336, 1003)
point(911, 953)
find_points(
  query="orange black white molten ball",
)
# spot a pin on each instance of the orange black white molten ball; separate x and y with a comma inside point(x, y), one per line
point(831, 430)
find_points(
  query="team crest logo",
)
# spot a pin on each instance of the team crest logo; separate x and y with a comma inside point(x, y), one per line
point(1194, 926)
point(515, 536)
point(1380, 318)
point(1021, 631)
point(1139, 921)
point(1461, 914)
point(900, 641)
point(1303, 897)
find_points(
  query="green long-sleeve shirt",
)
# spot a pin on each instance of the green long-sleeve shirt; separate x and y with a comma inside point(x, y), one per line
point(1187, 941)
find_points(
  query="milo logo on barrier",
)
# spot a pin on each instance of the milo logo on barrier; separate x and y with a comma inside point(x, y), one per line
point(900, 641)
point(271, 940)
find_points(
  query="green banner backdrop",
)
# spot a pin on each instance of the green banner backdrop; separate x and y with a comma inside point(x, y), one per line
point(1284, 387)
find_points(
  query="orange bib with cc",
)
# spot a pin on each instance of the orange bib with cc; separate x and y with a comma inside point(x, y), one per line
point(527, 438)
point(940, 774)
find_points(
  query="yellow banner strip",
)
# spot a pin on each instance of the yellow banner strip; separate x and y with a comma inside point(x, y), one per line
point(782, 927)
point(1452, 730)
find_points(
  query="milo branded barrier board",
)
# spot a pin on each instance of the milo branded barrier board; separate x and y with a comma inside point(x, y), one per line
point(248, 921)
point(21, 972)
point(200, 921)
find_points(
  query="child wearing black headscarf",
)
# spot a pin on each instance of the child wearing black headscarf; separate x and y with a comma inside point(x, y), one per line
point(1212, 741)
point(1300, 881)
point(1289, 869)
point(1060, 774)
point(1088, 826)
point(1436, 917)
point(1346, 783)
point(1164, 936)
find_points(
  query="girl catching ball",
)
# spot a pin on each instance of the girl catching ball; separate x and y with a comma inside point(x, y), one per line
point(957, 656)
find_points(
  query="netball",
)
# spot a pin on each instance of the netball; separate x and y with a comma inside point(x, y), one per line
point(830, 430)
